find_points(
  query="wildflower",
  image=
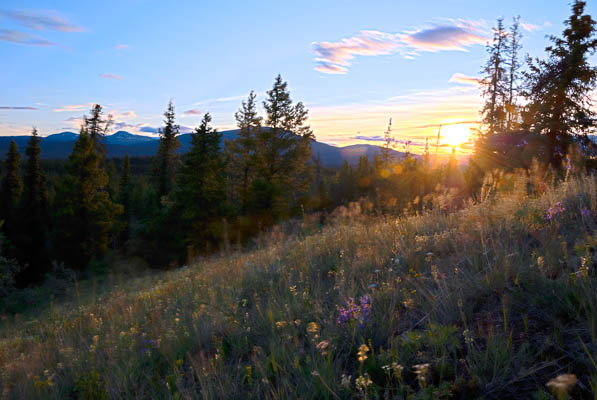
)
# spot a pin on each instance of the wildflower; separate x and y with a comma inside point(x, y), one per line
point(358, 312)
point(281, 324)
point(323, 346)
point(554, 211)
point(585, 212)
point(345, 380)
point(362, 353)
point(363, 382)
point(315, 373)
point(468, 337)
point(293, 290)
point(421, 371)
point(562, 384)
point(540, 262)
point(313, 328)
point(397, 368)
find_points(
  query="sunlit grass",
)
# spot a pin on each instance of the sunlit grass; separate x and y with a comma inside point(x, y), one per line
point(492, 301)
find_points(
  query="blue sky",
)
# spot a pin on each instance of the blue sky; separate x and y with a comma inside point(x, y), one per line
point(353, 64)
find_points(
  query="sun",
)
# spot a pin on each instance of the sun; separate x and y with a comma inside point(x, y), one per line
point(455, 135)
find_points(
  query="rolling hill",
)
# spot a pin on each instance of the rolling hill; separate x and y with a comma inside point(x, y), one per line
point(119, 144)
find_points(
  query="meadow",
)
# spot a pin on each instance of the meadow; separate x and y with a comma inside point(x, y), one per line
point(496, 299)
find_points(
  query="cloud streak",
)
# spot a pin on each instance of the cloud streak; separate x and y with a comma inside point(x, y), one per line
point(18, 37)
point(110, 76)
point(465, 79)
point(451, 35)
point(42, 21)
point(17, 108)
point(73, 108)
point(193, 111)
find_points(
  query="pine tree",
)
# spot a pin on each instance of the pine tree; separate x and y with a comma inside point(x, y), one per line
point(284, 151)
point(560, 104)
point(10, 190)
point(124, 198)
point(493, 83)
point(85, 217)
point(513, 47)
point(241, 151)
point(200, 192)
point(97, 128)
point(167, 160)
point(33, 220)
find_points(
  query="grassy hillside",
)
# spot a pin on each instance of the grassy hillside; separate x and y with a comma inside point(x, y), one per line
point(492, 301)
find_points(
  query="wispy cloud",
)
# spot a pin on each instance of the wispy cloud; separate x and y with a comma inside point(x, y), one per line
point(465, 79)
point(193, 111)
point(454, 35)
point(221, 99)
point(17, 108)
point(110, 76)
point(121, 46)
point(18, 37)
point(42, 20)
point(73, 108)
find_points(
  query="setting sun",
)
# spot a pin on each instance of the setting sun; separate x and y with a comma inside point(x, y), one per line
point(456, 134)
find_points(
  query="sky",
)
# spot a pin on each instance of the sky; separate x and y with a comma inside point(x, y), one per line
point(353, 64)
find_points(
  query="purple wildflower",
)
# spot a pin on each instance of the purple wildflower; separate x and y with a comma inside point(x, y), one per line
point(585, 212)
point(355, 312)
point(554, 211)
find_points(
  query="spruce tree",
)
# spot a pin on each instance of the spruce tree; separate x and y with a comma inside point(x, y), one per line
point(85, 215)
point(493, 83)
point(33, 224)
point(559, 94)
point(167, 160)
point(241, 151)
point(513, 47)
point(283, 153)
point(200, 191)
point(10, 190)
point(97, 128)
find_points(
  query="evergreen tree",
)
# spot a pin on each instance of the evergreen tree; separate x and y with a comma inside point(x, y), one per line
point(85, 217)
point(513, 47)
point(124, 197)
point(560, 104)
point(241, 151)
point(97, 128)
point(167, 159)
point(200, 192)
point(33, 220)
point(493, 83)
point(284, 151)
point(11, 189)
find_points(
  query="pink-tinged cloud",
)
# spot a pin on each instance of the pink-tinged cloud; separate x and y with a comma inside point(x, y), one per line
point(465, 79)
point(335, 57)
point(73, 108)
point(42, 21)
point(110, 76)
point(18, 37)
point(331, 57)
point(121, 47)
point(193, 111)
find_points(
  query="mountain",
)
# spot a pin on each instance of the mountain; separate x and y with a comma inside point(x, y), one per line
point(119, 144)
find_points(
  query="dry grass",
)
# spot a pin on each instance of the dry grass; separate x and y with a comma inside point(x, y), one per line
point(492, 301)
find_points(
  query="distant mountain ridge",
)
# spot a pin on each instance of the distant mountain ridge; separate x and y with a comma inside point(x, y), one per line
point(60, 145)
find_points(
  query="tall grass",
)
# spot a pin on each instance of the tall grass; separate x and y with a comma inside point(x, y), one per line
point(492, 301)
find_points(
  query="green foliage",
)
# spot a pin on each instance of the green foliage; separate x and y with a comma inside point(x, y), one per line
point(167, 160)
point(85, 216)
point(32, 239)
point(558, 89)
point(11, 188)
